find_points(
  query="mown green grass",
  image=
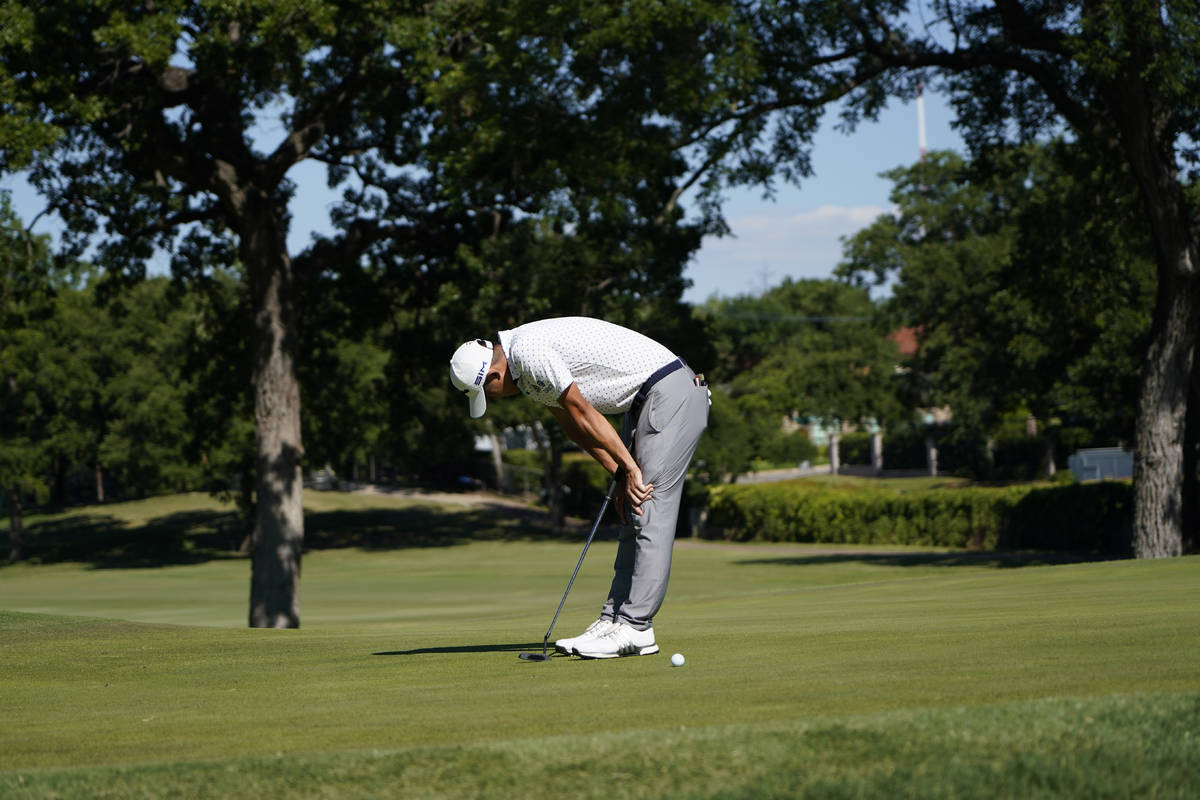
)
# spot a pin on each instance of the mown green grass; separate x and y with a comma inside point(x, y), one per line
point(1140, 746)
point(809, 673)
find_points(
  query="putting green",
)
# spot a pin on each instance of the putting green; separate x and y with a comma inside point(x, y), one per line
point(809, 672)
point(419, 647)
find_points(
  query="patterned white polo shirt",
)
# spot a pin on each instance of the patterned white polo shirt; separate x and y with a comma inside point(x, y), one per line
point(609, 363)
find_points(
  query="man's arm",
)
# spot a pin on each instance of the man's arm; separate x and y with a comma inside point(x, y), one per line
point(588, 428)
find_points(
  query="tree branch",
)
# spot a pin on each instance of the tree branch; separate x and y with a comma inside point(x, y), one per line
point(298, 144)
point(1020, 27)
point(356, 240)
point(165, 222)
point(708, 164)
point(896, 53)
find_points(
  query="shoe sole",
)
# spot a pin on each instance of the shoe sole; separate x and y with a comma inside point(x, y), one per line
point(649, 650)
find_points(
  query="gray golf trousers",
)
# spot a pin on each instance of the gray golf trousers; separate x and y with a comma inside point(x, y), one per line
point(664, 436)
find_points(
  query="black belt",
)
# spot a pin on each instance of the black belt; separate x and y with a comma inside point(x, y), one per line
point(639, 399)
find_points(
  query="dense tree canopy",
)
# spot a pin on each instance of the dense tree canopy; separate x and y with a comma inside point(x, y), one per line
point(500, 161)
point(1122, 77)
point(1027, 279)
point(27, 279)
point(804, 350)
point(497, 160)
point(92, 395)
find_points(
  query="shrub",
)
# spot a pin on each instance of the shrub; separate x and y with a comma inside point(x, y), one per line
point(792, 448)
point(855, 448)
point(1017, 458)
point(1078, 517)
point(904, 447)
point(585, 482)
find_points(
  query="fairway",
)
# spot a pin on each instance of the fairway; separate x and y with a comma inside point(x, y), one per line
point(809, 673)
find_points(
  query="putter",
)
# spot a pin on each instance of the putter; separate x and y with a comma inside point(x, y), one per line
point(544, 656)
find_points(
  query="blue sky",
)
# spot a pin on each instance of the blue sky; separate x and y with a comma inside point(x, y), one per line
point(797, 235)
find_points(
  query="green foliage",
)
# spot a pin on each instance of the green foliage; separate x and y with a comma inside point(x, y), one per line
point(221, 426)
point(504, 161)
point(346, 401)
point(791, 448)
point(855, 448)
point(805, 348)
point(586, 483)
point(1077, 517)
point(145, 391)
point(582, 480)
point(1120, 80)
point(739, 428)
point(27, 283)
point(1027, 291)
point(498, 162)
point(107, 385)
point(904, 447)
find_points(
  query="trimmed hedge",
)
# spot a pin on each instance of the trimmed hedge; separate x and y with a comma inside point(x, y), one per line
point(1090, 517)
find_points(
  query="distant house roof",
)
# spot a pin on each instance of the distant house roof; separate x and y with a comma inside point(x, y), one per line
point(906, 340)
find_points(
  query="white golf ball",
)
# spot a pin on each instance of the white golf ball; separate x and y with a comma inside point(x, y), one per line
point(677, 660)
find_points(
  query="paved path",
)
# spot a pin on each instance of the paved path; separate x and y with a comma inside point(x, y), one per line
point(772, 475)
point(465, 498)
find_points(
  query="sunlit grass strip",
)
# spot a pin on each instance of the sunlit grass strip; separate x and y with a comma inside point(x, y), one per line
point(1143, 746)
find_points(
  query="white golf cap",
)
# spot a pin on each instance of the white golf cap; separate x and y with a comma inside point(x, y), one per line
point(468, 367)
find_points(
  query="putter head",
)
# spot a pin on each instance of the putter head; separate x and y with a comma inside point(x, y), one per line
point(542, 656)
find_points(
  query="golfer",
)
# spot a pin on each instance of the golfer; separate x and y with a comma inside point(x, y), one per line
point(583, 369)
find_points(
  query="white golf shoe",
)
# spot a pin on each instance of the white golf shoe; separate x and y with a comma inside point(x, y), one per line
point(597, 628)
point(618, 640)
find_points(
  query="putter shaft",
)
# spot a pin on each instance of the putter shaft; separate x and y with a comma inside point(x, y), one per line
point(595, 525)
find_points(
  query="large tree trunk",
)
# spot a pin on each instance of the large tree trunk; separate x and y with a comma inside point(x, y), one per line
point(279, 523)
point(1158, 463)
point(1191, 440)
point(1149, 147)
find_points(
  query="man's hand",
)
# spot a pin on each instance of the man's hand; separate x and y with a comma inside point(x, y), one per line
point(591, 431)
point(633, 492)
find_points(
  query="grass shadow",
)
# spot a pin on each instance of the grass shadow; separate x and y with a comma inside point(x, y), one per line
point(193, 537)
point(106, 542)
point(429, 526)
point(466, 648)
point(996, 559)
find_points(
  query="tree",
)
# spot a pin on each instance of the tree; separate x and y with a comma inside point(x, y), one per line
point(1122, 77)
point(154, 106)
point(92, 393)
point(1029, 285)
point(457, 131)
point(805, 348)
point(144, 390)
point(26, 298)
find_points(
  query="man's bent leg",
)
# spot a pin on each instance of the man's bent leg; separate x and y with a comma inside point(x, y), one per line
point(668, 432)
